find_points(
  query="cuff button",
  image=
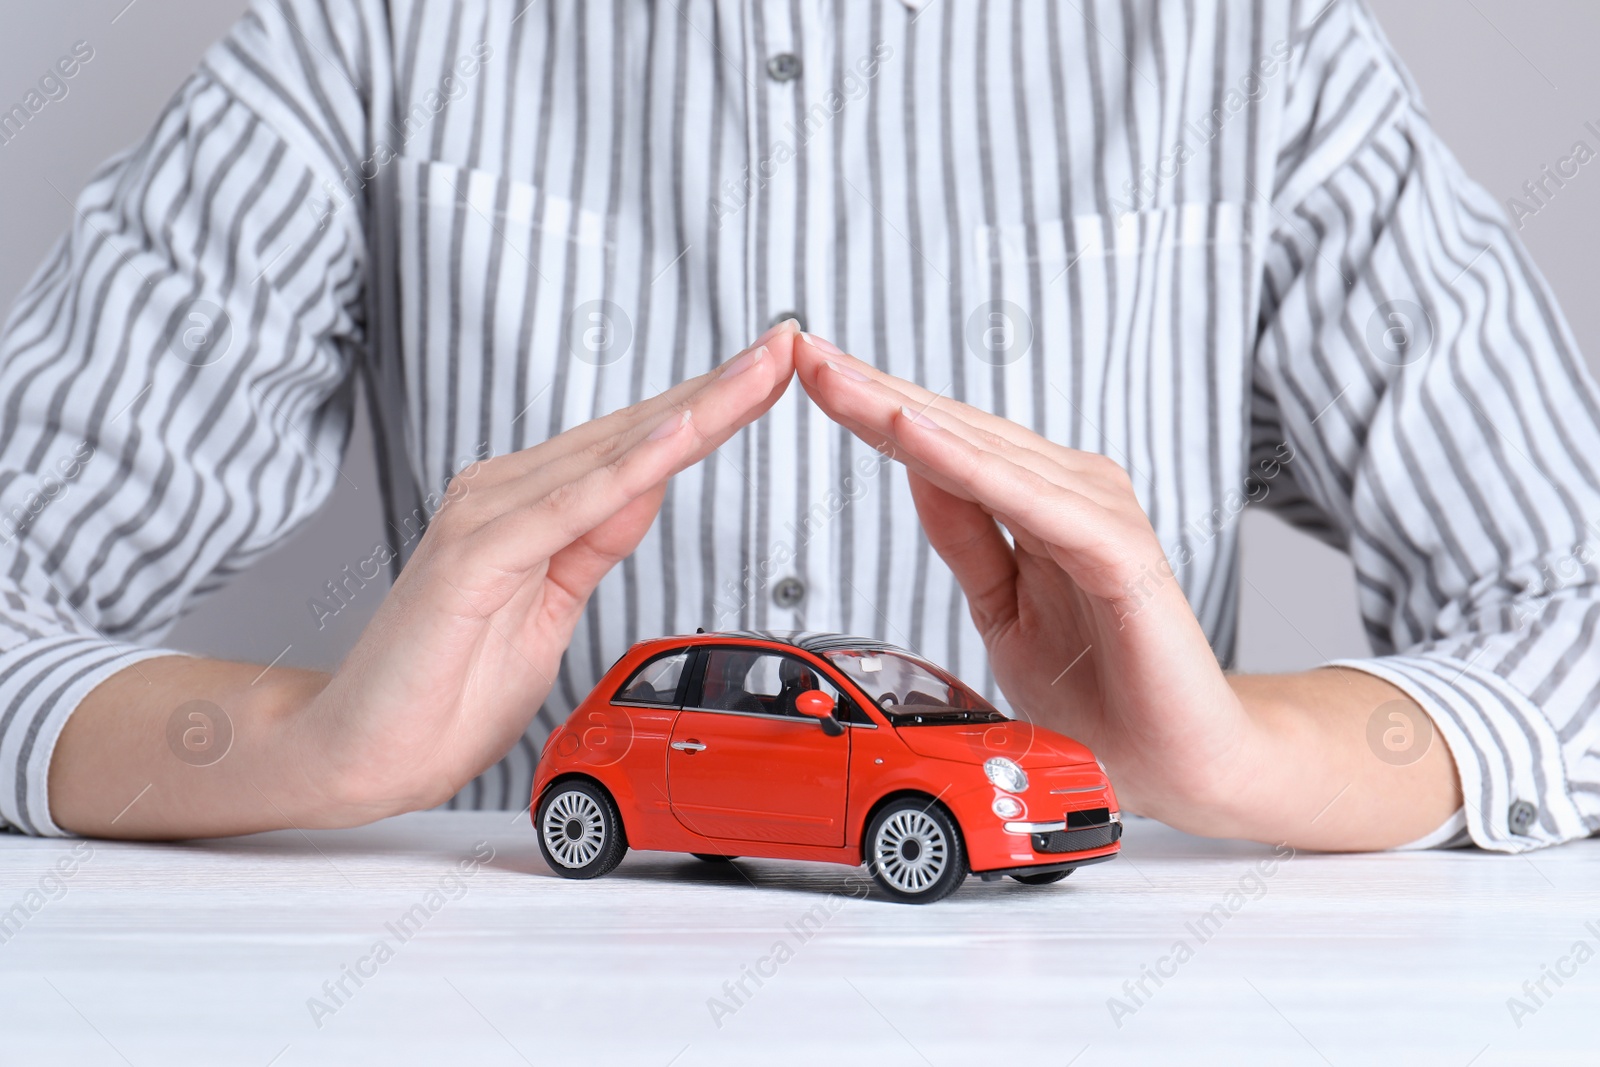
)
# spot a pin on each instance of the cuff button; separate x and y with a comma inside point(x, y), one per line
point(1521, 816)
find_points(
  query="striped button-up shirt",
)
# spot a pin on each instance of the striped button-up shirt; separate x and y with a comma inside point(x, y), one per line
point(1216, 240)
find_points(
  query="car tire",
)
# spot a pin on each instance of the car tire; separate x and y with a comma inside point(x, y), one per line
point(914, 851)
point(580, 830)
point(1046, 878)
point(706, 857)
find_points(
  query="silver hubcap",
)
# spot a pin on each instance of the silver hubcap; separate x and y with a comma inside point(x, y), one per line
point(574, 829)
point(911, 851)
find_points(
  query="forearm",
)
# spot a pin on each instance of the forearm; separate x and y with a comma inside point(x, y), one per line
point(1309, 773)
point(181, 747)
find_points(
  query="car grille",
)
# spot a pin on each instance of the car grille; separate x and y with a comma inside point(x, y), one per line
point(1078, 840)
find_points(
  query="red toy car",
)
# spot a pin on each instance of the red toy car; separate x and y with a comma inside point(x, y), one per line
point(815, 746)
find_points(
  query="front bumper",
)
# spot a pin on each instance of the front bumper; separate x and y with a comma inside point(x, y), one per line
point(1045, 837)
point(1088, 835)
point(1043, 868)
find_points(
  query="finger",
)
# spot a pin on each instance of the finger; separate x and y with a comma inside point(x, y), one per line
point(736, 397)
point(886, 445)
point(967, 539)
point(531, 528)
point(627, 425)
point(869, 407)
point(813, 356)
point(576, 570)
point(847, 389)
point(1086, 539)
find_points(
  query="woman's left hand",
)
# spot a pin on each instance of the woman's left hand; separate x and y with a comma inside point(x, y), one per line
point(1086, 629)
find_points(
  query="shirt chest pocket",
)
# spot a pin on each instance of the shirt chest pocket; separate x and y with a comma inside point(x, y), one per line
point(515, 321)
point(1101, 294)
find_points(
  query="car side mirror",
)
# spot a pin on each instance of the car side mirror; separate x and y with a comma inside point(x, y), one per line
point(815, 704)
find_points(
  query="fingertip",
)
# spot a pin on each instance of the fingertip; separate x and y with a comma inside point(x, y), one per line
point(810, 352)
point(788, 327)
point(744, 361)
point(781, 346)
point(670, 426)
point(918, 418)
point(821, 344)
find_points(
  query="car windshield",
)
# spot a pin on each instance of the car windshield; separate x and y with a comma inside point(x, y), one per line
point(911, 691)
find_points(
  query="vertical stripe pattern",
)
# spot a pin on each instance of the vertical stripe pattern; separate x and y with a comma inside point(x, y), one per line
point(1213, 239)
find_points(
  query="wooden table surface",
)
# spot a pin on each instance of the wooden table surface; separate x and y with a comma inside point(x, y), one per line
point(442, 938)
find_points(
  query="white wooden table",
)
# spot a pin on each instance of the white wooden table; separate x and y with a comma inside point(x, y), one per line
point(211, 953)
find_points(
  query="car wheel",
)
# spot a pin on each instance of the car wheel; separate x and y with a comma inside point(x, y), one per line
point(1046, 878)
point(580, 831)
point(914, 851)
point(706, 857)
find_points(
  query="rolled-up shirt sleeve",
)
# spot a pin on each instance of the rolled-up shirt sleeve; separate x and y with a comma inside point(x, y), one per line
point(175, 380)
point(1443, 429)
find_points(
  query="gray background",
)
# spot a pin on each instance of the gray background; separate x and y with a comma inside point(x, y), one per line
point(1509, 85)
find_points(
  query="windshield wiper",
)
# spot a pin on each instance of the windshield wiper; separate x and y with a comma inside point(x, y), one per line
point(931, 716)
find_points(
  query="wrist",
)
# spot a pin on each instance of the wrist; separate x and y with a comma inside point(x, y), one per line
point(1272, 788)
point(1307, 775)
point(300, 778)
point(1198, 777)
point(1238, 778)
point(350, 768)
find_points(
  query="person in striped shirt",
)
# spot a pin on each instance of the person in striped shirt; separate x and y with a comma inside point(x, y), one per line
point(1105, 280)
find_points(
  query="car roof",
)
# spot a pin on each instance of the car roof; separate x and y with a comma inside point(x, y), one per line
point(815, 641)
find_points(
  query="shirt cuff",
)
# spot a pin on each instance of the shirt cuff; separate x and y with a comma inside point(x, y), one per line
point(1452, 833)
point(1507, 754)
point(42, 681)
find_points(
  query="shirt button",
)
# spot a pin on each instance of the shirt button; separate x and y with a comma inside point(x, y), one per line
point(784, 67)
point(789, 592)
point(782, 315)
point(1521, 817)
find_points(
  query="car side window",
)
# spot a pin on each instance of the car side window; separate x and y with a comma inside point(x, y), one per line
point(845, 709)
point(766, 683)
point(729, 675)
point(657, 681)
point(764, 679)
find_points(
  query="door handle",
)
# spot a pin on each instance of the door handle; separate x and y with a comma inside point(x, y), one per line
point(690, 747)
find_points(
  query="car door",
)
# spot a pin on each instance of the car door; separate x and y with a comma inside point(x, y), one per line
point(744, 765)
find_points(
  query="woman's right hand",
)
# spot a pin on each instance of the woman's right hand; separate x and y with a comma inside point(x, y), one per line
point(465, 648)
point(451, 669)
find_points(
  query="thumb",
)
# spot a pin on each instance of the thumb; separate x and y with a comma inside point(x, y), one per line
point(971, 544)
point(577, 569)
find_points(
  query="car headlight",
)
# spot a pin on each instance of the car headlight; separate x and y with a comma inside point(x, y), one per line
point(1005, 774)
point(1007, 807)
